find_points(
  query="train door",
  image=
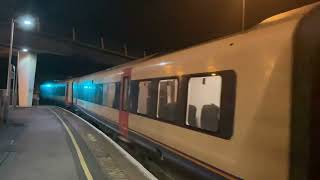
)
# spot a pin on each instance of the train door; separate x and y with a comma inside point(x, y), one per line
point(72, 91)
point(66, 93)
point(75, 92)
point(124, 102)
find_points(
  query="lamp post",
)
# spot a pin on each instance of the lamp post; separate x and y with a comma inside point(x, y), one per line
point(10, 59)
point(26, 22)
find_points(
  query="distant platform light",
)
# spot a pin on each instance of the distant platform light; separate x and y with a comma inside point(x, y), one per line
point(25, 50)
point(27, 22)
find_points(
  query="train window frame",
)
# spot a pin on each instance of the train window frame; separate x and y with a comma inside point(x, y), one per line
point(145, 98)
point(158, 97)
point(217, 92)
point(155, 82)
point(98, 97)
point(117, 97)
point(227, 103)
point(114, 95)
point(228, 100)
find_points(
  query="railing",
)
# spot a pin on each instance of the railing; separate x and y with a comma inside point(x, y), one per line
point(116, 49)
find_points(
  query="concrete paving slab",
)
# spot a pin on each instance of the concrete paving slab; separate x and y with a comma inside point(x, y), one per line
point(35, 146)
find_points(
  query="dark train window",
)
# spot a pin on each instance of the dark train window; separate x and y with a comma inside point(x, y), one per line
point(167, 99)
point(204, 100)
point(134, 92)
point(98, 94)
point(116, 101)
point(144, 98)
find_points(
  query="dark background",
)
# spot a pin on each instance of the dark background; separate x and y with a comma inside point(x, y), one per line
point(151, 25)
point(145, 24)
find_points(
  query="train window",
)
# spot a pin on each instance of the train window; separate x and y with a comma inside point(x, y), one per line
point(60, 90)
point(109, 91)
point(98, 94)
point(116, 101)
point(167, 99)
point(74, 91)
point(203, 108)
point(144, 97)
point(134, 93)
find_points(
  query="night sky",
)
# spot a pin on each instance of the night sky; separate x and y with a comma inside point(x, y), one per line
point(155, 26)
point(146, 24)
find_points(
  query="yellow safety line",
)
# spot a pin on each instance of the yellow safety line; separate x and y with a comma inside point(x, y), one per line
point(81, 158)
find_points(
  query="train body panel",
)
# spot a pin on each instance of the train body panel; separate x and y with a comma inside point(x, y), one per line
point(107, 112)
point(261, 60)
point(262, 107)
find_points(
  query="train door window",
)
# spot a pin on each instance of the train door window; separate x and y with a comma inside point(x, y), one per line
point(144, 97)
point(125, 94)
point(167, 99)
point(105, 94)
point(67, 90)
point(116, 101)
point(203, 108)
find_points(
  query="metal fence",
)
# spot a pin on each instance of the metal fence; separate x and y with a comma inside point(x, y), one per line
point(3, 107)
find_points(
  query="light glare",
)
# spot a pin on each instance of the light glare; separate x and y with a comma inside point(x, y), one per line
point(27, 22)
point(163, 63)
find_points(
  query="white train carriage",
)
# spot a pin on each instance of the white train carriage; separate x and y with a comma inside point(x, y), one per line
point(241, 107)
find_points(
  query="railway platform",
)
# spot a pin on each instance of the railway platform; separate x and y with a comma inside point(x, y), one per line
point(48, 142)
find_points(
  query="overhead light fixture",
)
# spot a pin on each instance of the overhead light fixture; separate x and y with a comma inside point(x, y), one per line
point(27, 22)
point(25, 50)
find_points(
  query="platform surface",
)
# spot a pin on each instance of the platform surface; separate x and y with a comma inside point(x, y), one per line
point(51, 143)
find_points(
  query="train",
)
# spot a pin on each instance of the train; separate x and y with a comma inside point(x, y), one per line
point(243, 106)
